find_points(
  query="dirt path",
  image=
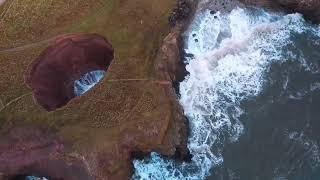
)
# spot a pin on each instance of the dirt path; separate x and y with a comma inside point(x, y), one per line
point(23, 47)
point(20, 48)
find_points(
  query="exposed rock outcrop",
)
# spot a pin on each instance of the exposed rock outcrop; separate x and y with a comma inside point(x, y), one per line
point(309, 8)
point(181, 12)
point(53, 73)
point(97, 135)
point(169, 66)
point(32, 151)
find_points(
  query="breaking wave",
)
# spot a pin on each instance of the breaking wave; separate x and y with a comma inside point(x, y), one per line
point(231, 53)
point(88, 81)
point(35, 178)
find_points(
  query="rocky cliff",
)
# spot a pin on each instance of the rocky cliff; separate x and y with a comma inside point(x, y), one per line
point(309, 8)
point(133, 111)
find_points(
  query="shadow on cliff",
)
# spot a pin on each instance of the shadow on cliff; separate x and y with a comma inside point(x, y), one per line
point(32, 151)
point(309, 8)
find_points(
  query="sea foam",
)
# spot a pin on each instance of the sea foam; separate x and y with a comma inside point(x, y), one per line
point(231, 54)
point(88, 81)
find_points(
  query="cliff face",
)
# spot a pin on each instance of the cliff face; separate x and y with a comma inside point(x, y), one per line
point(28, 149)
point(133, 110)
point(309, 8)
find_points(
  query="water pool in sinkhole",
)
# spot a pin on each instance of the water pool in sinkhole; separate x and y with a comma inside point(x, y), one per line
point(251, 97)
point(88, 81)
point(35, 178)
point(29, 177)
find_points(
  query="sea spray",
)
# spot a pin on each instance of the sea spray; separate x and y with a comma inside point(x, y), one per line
point(88, 81)
point(231, 55)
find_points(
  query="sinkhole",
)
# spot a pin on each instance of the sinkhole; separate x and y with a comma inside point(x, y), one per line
point(68, 68)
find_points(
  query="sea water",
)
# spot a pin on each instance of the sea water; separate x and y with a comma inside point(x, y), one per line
point(252, 99)
point(88, 81)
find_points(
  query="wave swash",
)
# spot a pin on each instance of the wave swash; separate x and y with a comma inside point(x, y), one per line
point(231, 53)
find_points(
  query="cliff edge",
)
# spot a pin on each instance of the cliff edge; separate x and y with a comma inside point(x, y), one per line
point(132, 111)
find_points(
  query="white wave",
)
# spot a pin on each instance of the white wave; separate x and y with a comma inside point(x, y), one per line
point(87, 81)
point(318, 30)
point(35, 178)
point(310, 148)
point(231, 55)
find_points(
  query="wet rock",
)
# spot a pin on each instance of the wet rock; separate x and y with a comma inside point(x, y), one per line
point(53, 73)
point(181, 12)
point(309, 8)
point(218, 5)
point(170, 67)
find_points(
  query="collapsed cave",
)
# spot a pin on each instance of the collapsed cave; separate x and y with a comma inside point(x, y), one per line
point(69, 67)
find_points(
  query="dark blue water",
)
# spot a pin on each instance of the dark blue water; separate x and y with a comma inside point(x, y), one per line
point(282, 125)
point(252, 98)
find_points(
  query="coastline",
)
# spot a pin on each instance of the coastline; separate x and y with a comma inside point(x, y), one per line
point(309, 8)
point(98, 135)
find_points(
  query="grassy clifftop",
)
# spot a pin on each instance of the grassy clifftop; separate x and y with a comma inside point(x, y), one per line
point(114, 112)
point(135, 29)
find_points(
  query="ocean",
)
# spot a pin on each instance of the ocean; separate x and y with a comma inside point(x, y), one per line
point(252, 98)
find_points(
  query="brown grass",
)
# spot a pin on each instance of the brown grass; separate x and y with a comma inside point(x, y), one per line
point(134, 27)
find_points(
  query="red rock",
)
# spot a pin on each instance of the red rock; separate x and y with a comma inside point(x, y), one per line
point(32, 151)
point(53, 73)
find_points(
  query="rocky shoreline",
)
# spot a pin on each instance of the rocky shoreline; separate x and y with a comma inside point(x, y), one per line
point(74, 150)
point(170, 65)
point(309, 8)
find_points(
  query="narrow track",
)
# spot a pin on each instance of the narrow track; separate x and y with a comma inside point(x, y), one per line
point(31, 45)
